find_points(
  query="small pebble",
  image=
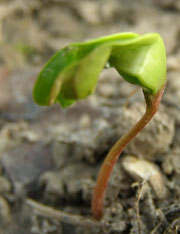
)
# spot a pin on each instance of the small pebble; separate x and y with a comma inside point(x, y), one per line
point(106, 90)
point(5, 185)
point(171, 163)
point(5, 215)
point(85, 121)
point(142, 169)
point(54, 189)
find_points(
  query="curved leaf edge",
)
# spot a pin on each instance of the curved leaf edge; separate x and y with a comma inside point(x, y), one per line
point(120, 40)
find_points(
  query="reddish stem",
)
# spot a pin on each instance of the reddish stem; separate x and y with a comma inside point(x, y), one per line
point(152, 104)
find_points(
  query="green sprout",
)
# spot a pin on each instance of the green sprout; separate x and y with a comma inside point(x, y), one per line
point(72, 73)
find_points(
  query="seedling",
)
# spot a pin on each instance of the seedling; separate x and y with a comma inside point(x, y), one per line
point(72, 73)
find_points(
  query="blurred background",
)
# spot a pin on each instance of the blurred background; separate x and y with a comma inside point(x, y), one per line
point(45, 152)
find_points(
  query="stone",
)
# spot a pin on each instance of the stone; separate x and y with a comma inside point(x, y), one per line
point(144, 170)
point(5, 185)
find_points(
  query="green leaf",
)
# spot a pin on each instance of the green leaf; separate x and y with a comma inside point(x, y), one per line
point(72, 73)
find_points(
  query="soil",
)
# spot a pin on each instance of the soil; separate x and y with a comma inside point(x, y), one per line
point(50, 157)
